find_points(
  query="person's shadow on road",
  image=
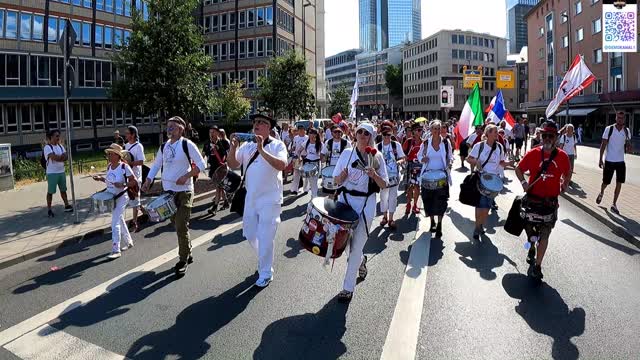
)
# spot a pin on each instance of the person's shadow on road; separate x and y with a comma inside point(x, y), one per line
point(307, 336)
point(545, 312)
point(187, 338)
point(482, 257)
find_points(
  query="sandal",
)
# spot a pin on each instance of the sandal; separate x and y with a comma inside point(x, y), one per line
point(599, 199)
point(345, 296)
point(362, 271)
point(384, 222)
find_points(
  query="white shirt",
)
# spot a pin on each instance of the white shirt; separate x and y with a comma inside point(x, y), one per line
point(263, 182)
point(390, 158)
point(359, 180)
point(117, 175)
point(615, 147)
point(335, 150)
point(311, 153)
point(472, 138)
point(54, 167)
point(137, 151)
point(493, 165)
point(174, 164)
point(508, 134)
point(285, 137)
point(438, 160)
point(298, 143)
point(568, 144)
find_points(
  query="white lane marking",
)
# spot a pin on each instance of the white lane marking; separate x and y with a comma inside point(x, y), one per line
point(402, 337)
point(52, 313)
point(47, 342)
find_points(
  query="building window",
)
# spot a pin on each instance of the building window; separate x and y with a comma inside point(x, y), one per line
point(38, 117)
point(597, 56)
point(12, 25)
point(98, 115)
point(52, 116)
point(454, 53)
point(260, 46)
point(25, 118)
point(242, 19)
point(127, 7)
point(52, 36)
point(461, 39)
point(214, 23)
point(119, 7)
point(250, 48)
point(86, 34)
point(119, 113)
point(596, 26)
point(25, 26)
point(232, 21)
point(207, 24)
point(108, 115)
point(565, 41)
point(77, 27)
point(223, 51)
point(12, 118)
point(541, 32)
point(563, 17)
point(214, 52)
point(223, 22)
point(597, 86)
point(75, 116)
point(579, 34)
point(38, 27)
point(269, 15)
point(99, 31)
point(108, 37)
point(251, 16)
point(242, 50)
point(108, 5)
point(454, 39)
point(260, 15)
point(578, 7)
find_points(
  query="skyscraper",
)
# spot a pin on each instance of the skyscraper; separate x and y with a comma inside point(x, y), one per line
point(387, 23)
point(516, 25)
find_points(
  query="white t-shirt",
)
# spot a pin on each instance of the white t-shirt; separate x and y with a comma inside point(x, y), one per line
point(285, 137)
point(390, 158)
point(117, 175)
point(298, 143)
point(493, 165)
point(568, 144)
point(263, 182)
point(174, 164)
point(472, 138)
point(508, 134)
point(311, 153)
point(437, 159)
point(137, 151)
point(333, 154)
point(54, 167)
point(615, 147)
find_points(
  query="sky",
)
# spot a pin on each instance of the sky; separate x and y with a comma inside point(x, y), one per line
point(484, 16)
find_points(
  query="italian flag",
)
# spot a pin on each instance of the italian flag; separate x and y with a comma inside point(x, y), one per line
point(471, 116)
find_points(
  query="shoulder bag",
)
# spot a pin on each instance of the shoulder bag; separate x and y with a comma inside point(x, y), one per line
point(239, 198)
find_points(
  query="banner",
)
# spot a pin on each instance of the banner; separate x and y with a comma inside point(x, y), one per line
point(447, 98)
point(575, 80)
point(619, 26)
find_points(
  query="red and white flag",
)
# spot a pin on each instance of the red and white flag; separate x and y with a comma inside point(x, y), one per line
point(575, 80)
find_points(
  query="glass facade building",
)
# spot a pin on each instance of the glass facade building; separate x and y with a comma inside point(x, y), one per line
point(516, 24)
point(387, 23)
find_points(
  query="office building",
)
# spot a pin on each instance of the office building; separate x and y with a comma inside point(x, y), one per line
point(340, 70)
point(31, 65)
point(517, 26)
point(387, 23)
point(554, 42)
point(440, 59)
point(373, 95)
point(265, 28)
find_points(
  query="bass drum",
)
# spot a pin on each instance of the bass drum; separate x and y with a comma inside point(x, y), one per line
point(324, 216)
point(227, 179)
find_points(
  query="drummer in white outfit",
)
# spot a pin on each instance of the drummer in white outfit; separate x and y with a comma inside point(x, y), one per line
point(263, 181)
point(393, 158)
point(297, 146)
point(335, 145)
point(495, 153)
point(360, 194)
point(135, 148)
point(436, 155)
point(118, 176)
point(311, 154)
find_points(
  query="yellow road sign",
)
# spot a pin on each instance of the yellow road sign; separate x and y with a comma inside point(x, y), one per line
point(505, 79)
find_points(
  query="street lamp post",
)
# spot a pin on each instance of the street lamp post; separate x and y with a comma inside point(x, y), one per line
point(567, 16)
point(304, 40)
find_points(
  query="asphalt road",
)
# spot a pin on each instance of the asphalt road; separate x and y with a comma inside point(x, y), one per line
point(478, 302)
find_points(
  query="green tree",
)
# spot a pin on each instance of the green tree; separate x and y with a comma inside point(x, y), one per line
point(230, 100)
point(162, 68)
point(287, 90)
point(393, 80)
point(340, 101)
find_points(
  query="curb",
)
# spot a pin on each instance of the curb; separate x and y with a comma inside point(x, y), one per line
point(617, 229)
point(72, 240)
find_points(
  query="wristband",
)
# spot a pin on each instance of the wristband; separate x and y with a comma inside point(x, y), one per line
point(523, 182)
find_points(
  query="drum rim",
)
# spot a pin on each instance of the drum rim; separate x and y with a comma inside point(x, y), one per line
point(326, 214)
point(102, 192)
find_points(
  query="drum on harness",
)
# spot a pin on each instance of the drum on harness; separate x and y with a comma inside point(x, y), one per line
point(490, 185)
point(102, 202)
point(162, 207)
point(539, 211)
point(309, 170)
point(434, 179)
point(227, 179)
point(327, 227)
point(328, 182)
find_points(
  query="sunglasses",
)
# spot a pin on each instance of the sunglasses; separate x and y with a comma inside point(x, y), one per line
point(436, 128)
point(363, 132)
point(548, 136)
point(418, 130)
point(262, 122)
point(337, 131)
point(386, 135)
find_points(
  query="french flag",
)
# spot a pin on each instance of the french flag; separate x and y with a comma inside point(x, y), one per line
point(497, 111)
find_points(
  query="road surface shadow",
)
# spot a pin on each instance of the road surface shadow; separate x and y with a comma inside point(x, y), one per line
point(462, 223)
point(483, 257)
point(187, 338)
point(63, 274)
point(307, 336)
point(222, 240)
point(575, 190)
point(545, 312)
point(295, 248)
point(625, 249)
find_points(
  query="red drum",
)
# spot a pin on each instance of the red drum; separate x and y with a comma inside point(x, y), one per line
point(327, 227)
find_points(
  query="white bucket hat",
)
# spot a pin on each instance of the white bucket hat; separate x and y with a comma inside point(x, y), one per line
point(369, 128)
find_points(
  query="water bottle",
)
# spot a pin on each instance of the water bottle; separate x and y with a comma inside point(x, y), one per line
point(534, 239)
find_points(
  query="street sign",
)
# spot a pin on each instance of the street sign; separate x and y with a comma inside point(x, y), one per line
point(447, 97)
point(505, 79)
point(471, 77)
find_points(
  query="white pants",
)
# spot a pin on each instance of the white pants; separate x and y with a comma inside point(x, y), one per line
point(296, 180)
point(356, 254)
point(389, 199)
point(312, 183)
point(119, 231)
point(259, 228)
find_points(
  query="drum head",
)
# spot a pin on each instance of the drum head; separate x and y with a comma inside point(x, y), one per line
point(335, 209)
point(231, 182)
point(434, 175)
point(309, 167)
point(491, 182)
point(102, 195)
point(327, 171)
point(159, 200)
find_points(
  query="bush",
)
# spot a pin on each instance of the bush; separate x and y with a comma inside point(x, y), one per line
point(27, 169)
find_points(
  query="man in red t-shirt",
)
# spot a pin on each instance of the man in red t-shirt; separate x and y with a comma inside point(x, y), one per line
point(542, 194)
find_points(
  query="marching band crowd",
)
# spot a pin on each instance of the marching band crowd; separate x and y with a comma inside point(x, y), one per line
point(353, 163)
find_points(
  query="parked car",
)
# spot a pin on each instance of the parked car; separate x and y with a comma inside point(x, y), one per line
point(317, 123)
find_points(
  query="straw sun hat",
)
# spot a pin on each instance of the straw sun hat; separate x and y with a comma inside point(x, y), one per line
point(116, 149)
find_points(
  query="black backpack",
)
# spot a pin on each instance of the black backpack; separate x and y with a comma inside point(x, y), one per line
point(43, 161)
point(394, 147)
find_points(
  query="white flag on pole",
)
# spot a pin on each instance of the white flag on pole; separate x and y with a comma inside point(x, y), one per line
point(575, 80)
point(354, 99)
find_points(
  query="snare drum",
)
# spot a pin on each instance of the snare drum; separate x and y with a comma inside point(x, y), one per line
point(327, 218)
point(102, 202)
point(328, 184)
point(309, 170)
point(434, 179)
point(490, 185)
point(162, 207)
point(414, 169)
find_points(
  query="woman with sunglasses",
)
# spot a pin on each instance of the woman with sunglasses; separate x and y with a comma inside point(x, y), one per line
point(393, 157)
point(359, 176)
point(311, 154)
point(411, 147)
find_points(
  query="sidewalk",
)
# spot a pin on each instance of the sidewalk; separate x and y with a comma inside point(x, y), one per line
point(27, 232)
point(584, 193)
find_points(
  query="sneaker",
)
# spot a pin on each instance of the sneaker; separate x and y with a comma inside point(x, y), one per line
point(127, 247)
point(190, 260)
point(531, 256)
point(50, 213)
point(68, 208)
point(345, 296)
point(537, 272)
point(181, 268)
point(614, 209)
point(362, 271)
point(263, 283)
point(114, 255)
point(599, 199)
